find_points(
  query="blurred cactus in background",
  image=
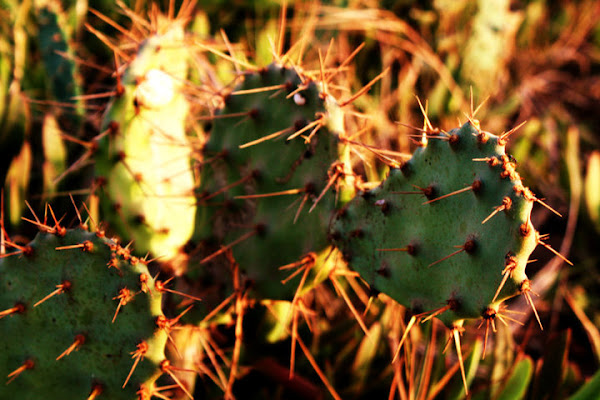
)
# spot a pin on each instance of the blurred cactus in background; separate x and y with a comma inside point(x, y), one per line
point(143, 163)
point(272, 199)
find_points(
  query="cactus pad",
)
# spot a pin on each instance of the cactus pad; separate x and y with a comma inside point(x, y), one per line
point(277, 136)
point(444, 230)
point(144, 159)
point(59, 297)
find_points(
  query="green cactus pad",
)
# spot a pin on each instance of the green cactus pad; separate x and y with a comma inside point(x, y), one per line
point(428, 254)
point(144, 159)
point(92, 271)
point(253, 150)
point(61, 70)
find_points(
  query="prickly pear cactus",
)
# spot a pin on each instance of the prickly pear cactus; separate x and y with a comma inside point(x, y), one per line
point(80, 315)
point(56, 52)
point(450, 231)
point(143, 162)
point(269, 184)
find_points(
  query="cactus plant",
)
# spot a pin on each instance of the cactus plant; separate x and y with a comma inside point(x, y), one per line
point(144, 161)
point(272, 158)
point(57, 56)
point(449, 232)
point(458, 257)
point(77, 306)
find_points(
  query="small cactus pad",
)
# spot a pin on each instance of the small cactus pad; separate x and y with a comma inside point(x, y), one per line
point(277, 136)
point(144, 159)
point(444, 230)
point(78, 311)
point(61, 70)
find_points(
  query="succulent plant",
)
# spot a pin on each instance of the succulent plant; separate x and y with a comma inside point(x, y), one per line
point(262, 230)
point(449, 232)
point(58, 59)
point(143, 163)
point(271, 161)
point(82, 318)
